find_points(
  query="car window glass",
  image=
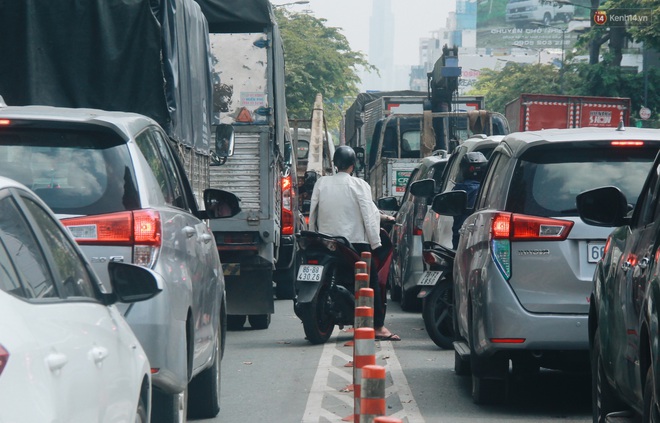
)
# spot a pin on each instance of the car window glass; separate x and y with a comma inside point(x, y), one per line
point(68, 267)
point(9, 281)
point(150, 152)
point(453, 170)
point(649, 204)
point(29, 261)
point(78, 172)
point(496, 169)
point(172, 171)
point(413, 177)
point(547, 180)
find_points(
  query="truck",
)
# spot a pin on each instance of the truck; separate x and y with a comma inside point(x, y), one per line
point(531, 112)
point(258, 244)
point(394, 130)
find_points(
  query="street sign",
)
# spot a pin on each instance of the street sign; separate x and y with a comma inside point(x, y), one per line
point(644, 113)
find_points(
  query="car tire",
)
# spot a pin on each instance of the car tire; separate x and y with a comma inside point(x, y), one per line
point(285, 284)
point(141, 415)
point(204, 389)
point(169, 408)
point(651, 413)
point(438, 314)
point(409, 302)
point(395, 290)
point(259, 321)
point(603, 398)
point(235, 321)
point(461, 366)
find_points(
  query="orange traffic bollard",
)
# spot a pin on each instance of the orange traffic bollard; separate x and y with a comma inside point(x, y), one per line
point(364, 355)
point(372, 393)
point(365, 298)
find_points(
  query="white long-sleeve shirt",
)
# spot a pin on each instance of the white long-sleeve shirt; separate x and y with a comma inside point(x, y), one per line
point(342, 206)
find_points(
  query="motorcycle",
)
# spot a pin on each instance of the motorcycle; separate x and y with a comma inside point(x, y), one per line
point(325, 285)
point(437, 293)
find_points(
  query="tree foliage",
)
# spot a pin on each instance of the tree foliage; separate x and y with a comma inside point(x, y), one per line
point(318, 60)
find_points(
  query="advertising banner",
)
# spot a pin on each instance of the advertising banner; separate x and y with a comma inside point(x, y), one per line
point(534, 24)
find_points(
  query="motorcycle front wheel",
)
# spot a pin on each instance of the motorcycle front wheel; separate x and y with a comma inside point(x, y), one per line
point(317, 319)
point(438, 316)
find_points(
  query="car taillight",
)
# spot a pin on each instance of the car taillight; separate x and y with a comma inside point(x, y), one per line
point(627, 143)
point(139, 229)
point(287, 201)
point(507, 227)
point(4, 357)
point(4, 122)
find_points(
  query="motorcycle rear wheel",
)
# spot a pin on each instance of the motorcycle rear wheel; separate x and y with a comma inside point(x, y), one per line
point(317, 320)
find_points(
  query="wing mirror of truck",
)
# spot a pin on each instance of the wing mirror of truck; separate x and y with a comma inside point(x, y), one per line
point(388, 204)
point(224, 142)
point(450, 203)
point(423, 188)
point(220, 204)
point(605, 206)
point(360, 156)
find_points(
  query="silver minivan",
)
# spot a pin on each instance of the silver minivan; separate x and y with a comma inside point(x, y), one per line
point(115, 181)
point(525, 261)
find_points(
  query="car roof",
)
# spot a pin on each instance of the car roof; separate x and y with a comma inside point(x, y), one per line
point(521, 141)
point(431, 160)
point(472, 143)
point(121, 122)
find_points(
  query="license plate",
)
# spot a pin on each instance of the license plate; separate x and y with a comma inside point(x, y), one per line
point(430, 278)
point(309, 272)
point(595, 251)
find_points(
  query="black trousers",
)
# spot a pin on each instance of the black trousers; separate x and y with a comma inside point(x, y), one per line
point(379, 299)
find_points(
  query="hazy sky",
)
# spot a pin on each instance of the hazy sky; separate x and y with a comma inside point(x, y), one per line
point(414, 19)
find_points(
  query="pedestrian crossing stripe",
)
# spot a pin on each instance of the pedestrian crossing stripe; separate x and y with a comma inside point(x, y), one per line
point(231, 269)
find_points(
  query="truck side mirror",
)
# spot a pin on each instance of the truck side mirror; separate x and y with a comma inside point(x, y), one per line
point(224, 141)
point(220, 204)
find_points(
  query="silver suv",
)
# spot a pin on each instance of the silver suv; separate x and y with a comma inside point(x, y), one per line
point(116, 183)
point(525, 261)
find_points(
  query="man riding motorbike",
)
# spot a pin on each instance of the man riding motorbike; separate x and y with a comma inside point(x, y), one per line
point(341, 205)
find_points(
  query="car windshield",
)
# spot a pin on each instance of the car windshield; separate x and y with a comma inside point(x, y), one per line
point(76, 172)
point(547, 179)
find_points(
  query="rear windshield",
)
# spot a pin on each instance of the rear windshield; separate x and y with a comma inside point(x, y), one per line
point(76, 172)
point(547, 179)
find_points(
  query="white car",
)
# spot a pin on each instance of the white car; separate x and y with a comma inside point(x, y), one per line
point(66, 352)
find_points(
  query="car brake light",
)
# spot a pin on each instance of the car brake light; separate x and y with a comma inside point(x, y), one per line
point(4, 357)
point(627, 143)
point(507, 227)
point(287, 222)
point(287, 201)
point(507, 340)
point(140, 229)
point(5, 122)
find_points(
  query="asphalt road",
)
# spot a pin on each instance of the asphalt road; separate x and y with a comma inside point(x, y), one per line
point(275, 375)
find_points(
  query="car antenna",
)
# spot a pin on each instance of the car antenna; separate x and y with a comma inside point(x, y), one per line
point(621, 127)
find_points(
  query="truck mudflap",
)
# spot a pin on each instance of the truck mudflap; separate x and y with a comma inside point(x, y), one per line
point(249, 289)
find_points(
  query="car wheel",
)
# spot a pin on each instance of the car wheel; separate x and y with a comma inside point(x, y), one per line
point(169, 408)
point(285, 281)
point(141, 412)
point(461, 366)
point(204, 389)
point(651, 413)
point(603, 398)
point(395, 289)
point(438, 314)
point(259, 321)
point(236, 321)
point(409, 302)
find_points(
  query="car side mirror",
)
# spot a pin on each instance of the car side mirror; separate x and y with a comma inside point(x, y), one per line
point(220, 204)
point(450, 203)
point(360, 156)
point(605, 206)
point(131, 283)
point(423, 188)
point(388, 204)
point(224, 141)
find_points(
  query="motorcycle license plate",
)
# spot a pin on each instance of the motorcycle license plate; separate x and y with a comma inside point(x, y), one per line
point(430, 278)
point(309, 272)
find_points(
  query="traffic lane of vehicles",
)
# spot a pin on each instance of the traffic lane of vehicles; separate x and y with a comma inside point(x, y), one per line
point(623, 314)
point(116, 182)
point(522, 265)
point(282, 357)
point(66, 353)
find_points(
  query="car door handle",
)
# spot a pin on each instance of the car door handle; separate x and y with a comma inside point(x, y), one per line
point(206, 238)
point(643, 263)
point(469, 228)
point(56, 361)
point(189, 231)
point(98, 354)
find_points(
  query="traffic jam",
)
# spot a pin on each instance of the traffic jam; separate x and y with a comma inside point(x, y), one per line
point(175, 247)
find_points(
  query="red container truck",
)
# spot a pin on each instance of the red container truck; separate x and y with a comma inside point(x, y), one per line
point(531, 112)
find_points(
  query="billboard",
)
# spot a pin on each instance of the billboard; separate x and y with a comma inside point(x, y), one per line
point(534, 24)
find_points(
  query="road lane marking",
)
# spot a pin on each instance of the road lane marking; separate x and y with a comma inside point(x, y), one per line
point(327, 403)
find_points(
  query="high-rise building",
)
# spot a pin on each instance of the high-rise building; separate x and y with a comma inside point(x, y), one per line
point(381, 47)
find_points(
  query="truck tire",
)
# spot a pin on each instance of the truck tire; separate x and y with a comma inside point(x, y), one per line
point(438, 314)
point(204, 389)
point(259, 321)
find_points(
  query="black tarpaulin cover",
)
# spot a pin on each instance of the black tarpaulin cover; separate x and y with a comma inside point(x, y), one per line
point(106, 54)
point(237, 15)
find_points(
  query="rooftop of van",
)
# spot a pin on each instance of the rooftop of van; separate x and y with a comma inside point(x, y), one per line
point(518, 140)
